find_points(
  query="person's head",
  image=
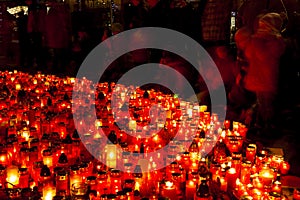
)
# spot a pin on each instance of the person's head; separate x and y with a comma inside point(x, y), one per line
point(242, 37)
point(135, 2)
point(270, 21)
point(116, 28)
point(152, 3)
point(222, 52)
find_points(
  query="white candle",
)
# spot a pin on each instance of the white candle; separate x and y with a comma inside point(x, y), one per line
point(111, 155)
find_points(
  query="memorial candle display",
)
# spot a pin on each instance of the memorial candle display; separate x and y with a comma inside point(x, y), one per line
point(129, 151)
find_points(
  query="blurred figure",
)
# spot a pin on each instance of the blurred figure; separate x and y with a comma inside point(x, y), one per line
point(241, 100)
point(215, 22)
point(263, 51)
point(134, 14)
point(58, 35)
point(24, 41)
point(251, 9)
point(36, 30)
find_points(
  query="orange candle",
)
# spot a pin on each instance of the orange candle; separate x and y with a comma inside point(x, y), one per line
point(190, 189)
point(266, 175)
point(276, 187)
point(284, 167)
point(223, 184)
point(3, 158)
point(12, 176)
point(48, 192)
point(296, 194)
point(231, 176)
point(257, 183)
point(251, 152)
point(245, 172)
point(169, 190)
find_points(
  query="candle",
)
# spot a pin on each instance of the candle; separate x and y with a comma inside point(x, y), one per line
point(245, 172)
point(251, 152)
point(223, 183)
point(296, 194)
point(267, 176)
point(256, 194)
point(12, 176)
point(132, 125)
point(3, 158)
point(190, 190)
point(284, 167)
point(62, 183)
point(276, 187)
point(23, 178)
point(231, 176)
point(169, 190)
point(74, 176)
point(257, 183)
point(48, 192)
point(111, 155)
point(115, 178)
point(18, 86)
point(47, 158)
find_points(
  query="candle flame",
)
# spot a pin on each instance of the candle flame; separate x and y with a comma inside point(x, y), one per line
point(232, 171)
point(137, 186)
point(169, 184)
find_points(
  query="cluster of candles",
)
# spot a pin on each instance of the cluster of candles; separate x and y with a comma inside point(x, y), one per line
point(45, 154)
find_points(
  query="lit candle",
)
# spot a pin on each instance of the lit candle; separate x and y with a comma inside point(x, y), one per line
point(251, 152)
point(49, 192)
point(18, 86)
point(245, 172)
point(132, 125)
point(62, 183)
point(276, 187)
point(202, 108)
point(12, 176)
point(284, 167)
point(257, 183)
point(223, 183)
point(267, 176)
point(25, 134)
point(256, 194)
point(3, 158)
point(48, 158)
point(190, 190)
point(75, 176)
point(23, 178)
point(296, 194)
point(111, 157)
point(231, 176)
point(169, 190)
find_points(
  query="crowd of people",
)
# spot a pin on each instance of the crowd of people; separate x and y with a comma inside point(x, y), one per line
point(252, 65)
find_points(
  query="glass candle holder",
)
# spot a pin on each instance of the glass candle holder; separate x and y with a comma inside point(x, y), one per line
point(78, 189)
point(48, 158)
point(49, 192)
point(4, 158)
point(245, 172)
point(267, 175)
point(251, 152)
point(276, 187)
point(62, 183)
point(169, 190)
point(75, 176)
point(284, 167)
point(103, 184)
point(12, 176)
point(23, 178)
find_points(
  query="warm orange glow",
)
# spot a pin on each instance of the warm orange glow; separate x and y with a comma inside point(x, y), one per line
point(169, 184)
